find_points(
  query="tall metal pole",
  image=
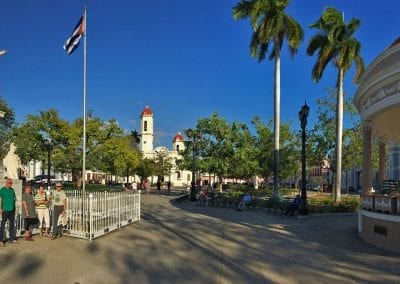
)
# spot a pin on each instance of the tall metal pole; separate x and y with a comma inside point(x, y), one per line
point(84, 107)
point(48, 165)
point(303, 164)
point(193, 187)
point(303, 113)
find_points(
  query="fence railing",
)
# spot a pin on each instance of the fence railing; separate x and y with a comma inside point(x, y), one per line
point(94, 214)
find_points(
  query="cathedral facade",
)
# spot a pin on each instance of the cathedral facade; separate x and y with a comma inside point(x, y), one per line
point(176, 176)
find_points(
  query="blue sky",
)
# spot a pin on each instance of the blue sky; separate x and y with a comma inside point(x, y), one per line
point(183, 58)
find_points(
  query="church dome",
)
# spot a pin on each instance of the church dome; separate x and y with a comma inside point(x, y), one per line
point(178, 137)
point(147, 112)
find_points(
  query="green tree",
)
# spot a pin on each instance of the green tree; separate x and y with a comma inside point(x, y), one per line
point(322, 136)
point(132, 162)
point(118, 157)
point(243, 164)
point(264, 146)
point(290, 153)
point(214, 142)
point(30, 136)
point(7, 122)
point(145, 169)
point(98, 136)
point(220, 148)
point(335, 42)
point(66, 139)
point(162, 164)
point(134, 140)
point(271, 26)
point(290, 150)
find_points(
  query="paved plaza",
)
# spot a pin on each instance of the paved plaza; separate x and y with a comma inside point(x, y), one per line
point(179, 242)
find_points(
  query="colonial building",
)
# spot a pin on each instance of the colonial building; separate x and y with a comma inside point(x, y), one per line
point(378, 101)
point(177, 177)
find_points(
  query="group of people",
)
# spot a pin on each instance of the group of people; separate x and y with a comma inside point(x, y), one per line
point(35, 210)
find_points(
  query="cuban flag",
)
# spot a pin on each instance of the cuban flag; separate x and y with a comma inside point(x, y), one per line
point(73, 41)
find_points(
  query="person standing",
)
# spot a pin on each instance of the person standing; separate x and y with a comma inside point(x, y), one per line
point(60, 207)
point(42, 207)
point(28, 212)
point(7, 210)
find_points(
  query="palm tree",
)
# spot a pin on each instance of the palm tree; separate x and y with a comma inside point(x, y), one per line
point(271, 26)
point(335, 42)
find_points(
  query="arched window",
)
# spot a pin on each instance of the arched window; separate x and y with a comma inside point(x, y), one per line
point(177, 148)
point(145, 125)
point(178, 175)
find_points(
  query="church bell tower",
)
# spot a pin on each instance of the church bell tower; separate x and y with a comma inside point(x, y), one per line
point(146, 130)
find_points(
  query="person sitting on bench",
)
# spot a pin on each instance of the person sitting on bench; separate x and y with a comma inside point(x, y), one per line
point(245, 200)
point(294, 205)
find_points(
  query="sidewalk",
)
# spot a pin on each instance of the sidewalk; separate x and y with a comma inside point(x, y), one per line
point(178, 242)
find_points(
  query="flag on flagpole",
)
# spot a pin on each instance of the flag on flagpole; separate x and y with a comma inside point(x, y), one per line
point(73, 41)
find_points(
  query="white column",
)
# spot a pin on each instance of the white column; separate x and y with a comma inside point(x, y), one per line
point(366, 159)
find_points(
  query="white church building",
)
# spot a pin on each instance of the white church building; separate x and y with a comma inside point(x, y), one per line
point(177, 177)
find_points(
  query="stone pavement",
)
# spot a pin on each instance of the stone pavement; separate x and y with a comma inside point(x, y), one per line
point(178, 242)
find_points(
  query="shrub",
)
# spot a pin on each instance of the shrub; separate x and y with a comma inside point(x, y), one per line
point(94, 187)
point(348, 204)
point(327, 205)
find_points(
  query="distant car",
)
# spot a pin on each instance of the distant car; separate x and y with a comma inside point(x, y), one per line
point(316, 188)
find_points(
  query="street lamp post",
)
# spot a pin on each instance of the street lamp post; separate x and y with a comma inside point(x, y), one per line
point(303, 114)
point(191, 134)
point(49, 147)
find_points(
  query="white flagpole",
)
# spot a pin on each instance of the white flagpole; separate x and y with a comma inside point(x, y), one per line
point(84, 106)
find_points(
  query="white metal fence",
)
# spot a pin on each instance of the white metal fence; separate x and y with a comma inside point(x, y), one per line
point(92, 215)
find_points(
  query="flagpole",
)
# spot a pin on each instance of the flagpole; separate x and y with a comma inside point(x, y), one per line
point(84, 107)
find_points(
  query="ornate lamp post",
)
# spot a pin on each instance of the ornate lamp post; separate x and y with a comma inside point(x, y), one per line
point(303, 114)
point(49, 147)
point(193, 135)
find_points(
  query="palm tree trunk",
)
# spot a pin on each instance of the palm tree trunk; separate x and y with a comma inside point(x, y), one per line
point(339, 132)
point(277, 104)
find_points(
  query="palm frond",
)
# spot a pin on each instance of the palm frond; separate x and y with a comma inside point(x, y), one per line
point(335, 43)
point(270, 24)
point(358, 60)
point(243, 9)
